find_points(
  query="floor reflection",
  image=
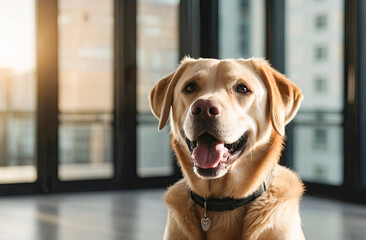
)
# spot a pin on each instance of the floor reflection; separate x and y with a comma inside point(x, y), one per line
point(47, 218)
point(141, 214)
point(333, 220)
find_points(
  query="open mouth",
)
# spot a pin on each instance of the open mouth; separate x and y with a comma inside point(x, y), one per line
point(211, 155)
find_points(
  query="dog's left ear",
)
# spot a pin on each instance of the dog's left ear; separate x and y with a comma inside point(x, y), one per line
point(161, 96)
point(284, 97)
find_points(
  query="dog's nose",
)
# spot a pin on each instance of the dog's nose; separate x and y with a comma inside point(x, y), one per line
point(206, 108)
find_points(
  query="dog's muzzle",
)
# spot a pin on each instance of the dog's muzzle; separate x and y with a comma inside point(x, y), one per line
point(210, 152)
point(212, 157)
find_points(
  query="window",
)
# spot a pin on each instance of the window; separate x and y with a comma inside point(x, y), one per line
point(85, 89)
point(245, 3)
point(72, 126)
point(320, 22)
point(17, 92)
point(320, 172)
point(317, 129)
point(157, 47)
point(320, 53)
point(246, 35)
point(320, 140)
point(320, 85)
point(56, 126)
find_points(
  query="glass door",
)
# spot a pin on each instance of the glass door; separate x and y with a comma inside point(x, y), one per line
point(85, 89)
point(74, 84)
point(157, 56)
point(18, 157)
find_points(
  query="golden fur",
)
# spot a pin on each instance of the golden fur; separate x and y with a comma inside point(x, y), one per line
point(263, 115)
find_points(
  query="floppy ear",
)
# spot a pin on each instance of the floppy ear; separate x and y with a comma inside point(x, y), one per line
point(161, 96)
point(284, 97)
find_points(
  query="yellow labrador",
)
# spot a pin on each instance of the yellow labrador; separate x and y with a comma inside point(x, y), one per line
point(227, 121)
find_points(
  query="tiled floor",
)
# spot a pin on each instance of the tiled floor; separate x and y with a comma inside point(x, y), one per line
point(332, 220)
point(133, 215)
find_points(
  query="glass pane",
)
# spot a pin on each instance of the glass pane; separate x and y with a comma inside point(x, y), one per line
point(17, 91)
point(155, 156)
point(157, 56)
point(314, 61)
point(85, 88)
point(241, 28)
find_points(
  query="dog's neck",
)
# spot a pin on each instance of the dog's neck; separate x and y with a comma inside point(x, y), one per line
point(235, 184)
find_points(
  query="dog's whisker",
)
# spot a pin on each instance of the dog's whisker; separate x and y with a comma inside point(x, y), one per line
point(251, 153)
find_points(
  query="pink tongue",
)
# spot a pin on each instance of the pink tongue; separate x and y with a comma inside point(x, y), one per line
point(208, 152)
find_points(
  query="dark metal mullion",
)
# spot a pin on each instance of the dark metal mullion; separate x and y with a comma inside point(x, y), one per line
point(189, 28)
point(350, 126)
point(275, 53)
point(361, 79)
point(198, 28)
point(275, 33)
point(125, 92)
point(47, 93)
point(209, 22)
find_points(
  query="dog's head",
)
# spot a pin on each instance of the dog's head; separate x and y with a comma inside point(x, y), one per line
point(220, 109)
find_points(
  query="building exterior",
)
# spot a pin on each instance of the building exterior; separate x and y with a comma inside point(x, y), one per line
point(314, 61)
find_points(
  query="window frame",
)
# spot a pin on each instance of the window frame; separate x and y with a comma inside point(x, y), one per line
point(321, 22)
point(124, 120)
point(198, 37)
point(354, 34)
point(208, 37)
point(320, 53)
point(351, 189)
point(320, 85)
point(320, 141)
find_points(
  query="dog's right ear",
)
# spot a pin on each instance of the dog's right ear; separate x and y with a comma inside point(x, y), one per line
point(161, 96)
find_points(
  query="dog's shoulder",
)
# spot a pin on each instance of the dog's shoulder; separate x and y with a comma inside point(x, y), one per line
point(182, 217)
point(286, 184)
point(177, 194)
point(276, 212)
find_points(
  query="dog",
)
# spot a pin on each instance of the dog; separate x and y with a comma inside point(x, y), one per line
point(227, 120)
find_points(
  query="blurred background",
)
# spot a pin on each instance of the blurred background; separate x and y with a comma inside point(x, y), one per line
point(75, 77)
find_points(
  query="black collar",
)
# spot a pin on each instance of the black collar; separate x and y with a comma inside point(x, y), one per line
point(228, 204)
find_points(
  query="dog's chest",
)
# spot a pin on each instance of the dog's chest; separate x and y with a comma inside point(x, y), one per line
point(226, 225)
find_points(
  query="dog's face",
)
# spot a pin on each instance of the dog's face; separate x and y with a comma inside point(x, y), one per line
point(222, 109)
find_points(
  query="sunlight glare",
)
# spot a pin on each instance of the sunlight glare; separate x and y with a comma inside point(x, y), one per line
point(17, 31)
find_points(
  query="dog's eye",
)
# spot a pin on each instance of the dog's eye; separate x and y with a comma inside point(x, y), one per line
point(241, 88)
point(190, 87)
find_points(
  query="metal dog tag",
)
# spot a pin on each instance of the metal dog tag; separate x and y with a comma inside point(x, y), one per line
point(205, 221)
point(205, 224)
